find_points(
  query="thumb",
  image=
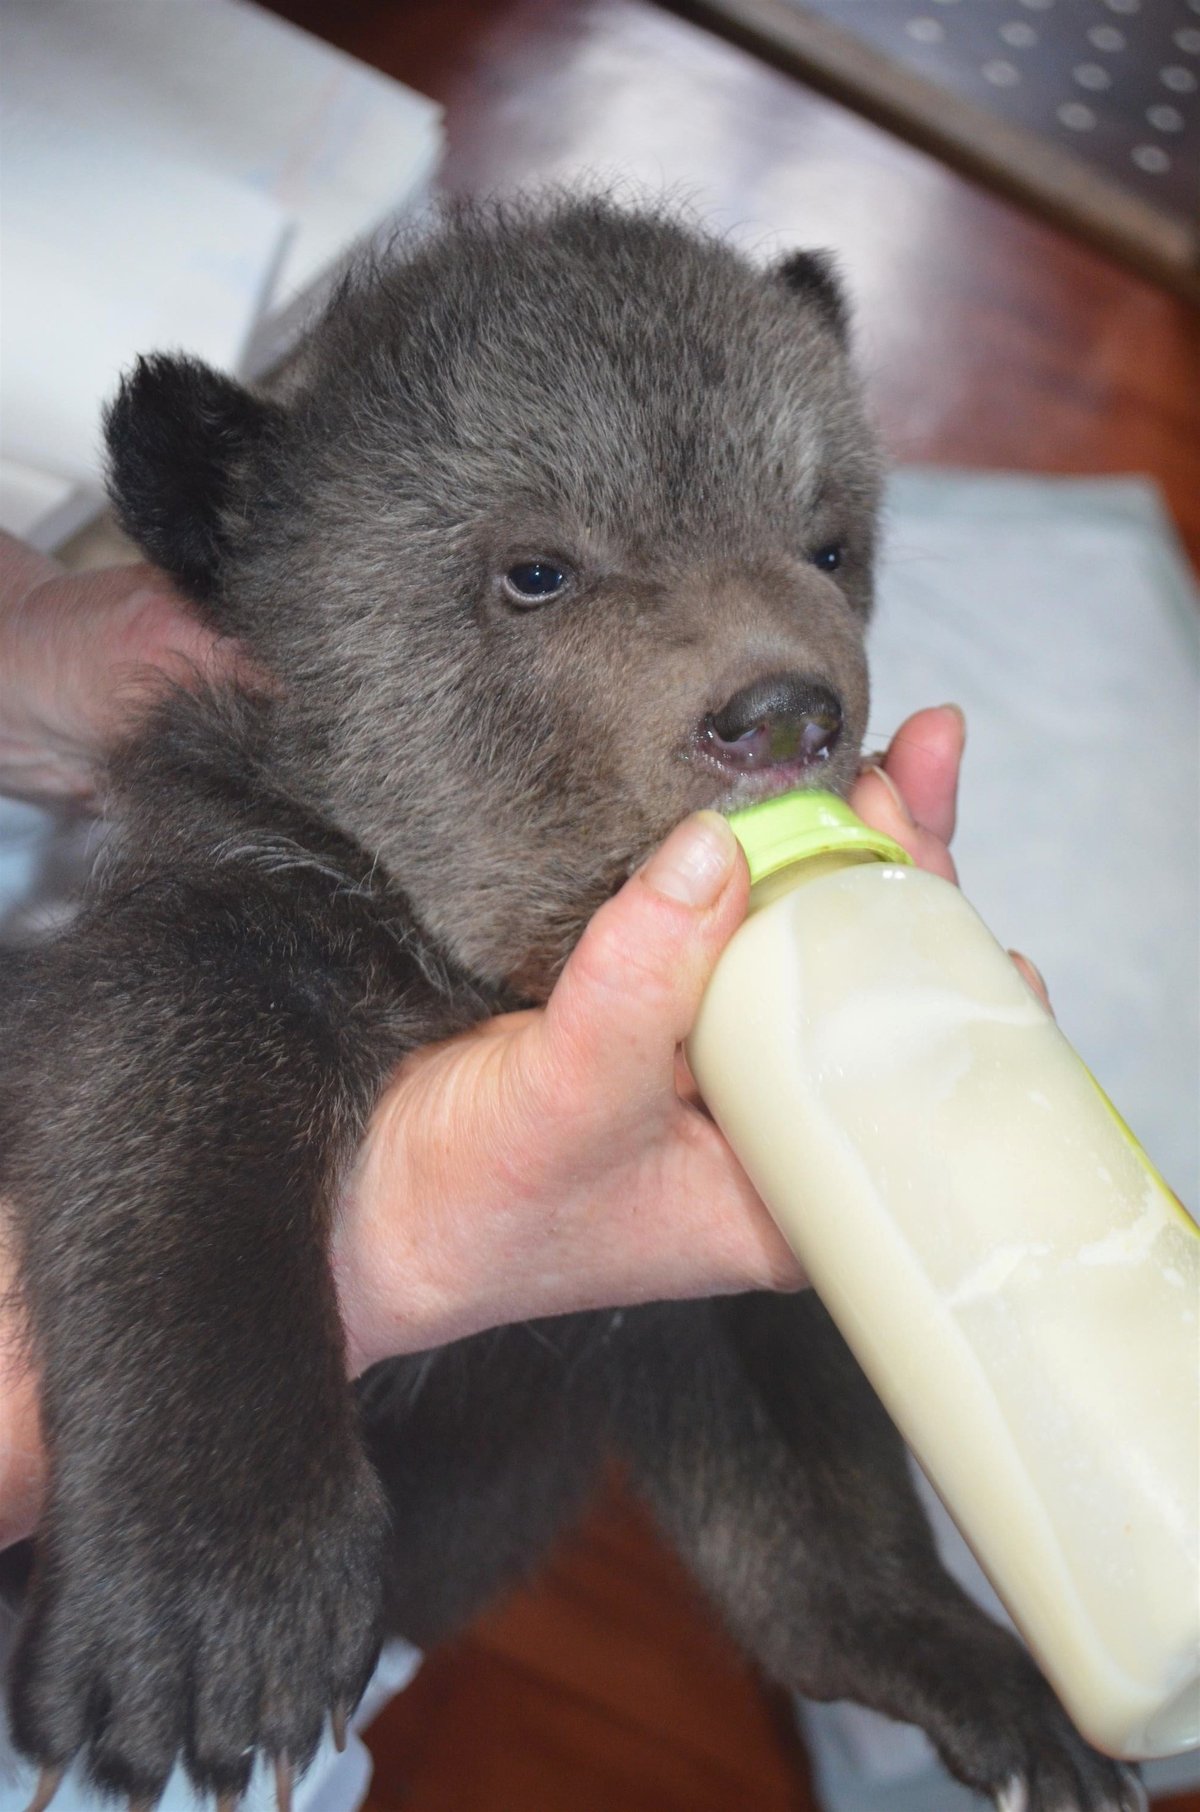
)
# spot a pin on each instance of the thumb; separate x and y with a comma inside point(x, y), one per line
point(631, 987)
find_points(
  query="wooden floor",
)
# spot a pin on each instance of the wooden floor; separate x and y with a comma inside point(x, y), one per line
point(991, 341)
point(605, 1687)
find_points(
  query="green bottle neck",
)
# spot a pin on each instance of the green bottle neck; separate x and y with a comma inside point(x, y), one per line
point(797, 836)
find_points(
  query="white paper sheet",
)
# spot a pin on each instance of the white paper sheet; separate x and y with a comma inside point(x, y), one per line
point(108, 253)
point(175, 174)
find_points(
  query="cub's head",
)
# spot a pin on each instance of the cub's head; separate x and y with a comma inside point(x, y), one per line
point(560, 528)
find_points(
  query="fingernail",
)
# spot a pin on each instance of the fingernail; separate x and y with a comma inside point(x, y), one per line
point(1035, 974)
point(894, 790)
point(693, 865)
point(961, 716)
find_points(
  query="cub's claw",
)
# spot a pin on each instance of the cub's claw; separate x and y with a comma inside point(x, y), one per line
point(49, 1781)
point(128, 1666)
point(1125, 1793)
point(1012, 1797)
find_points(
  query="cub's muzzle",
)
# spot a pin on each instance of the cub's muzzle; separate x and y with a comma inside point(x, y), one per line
point(783, 720)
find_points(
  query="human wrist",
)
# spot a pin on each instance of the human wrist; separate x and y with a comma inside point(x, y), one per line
point(402, 1255)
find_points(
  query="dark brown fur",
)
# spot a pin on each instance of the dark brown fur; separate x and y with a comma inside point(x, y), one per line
point(410, 835)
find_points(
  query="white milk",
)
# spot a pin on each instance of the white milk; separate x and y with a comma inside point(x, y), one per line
point(1018, 1283)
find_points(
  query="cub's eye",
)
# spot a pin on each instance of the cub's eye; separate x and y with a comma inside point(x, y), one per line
point(534, 581)
point(828, 559)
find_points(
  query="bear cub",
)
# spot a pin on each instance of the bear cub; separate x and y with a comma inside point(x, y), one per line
point(560, 527)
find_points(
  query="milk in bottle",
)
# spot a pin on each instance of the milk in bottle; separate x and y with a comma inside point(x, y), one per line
point(1016, 1279)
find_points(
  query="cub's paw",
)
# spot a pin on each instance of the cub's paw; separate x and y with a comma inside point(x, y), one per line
point(194, 1645)
point(1047, 1767)
point(1110, 1788)
point(1010, 1739)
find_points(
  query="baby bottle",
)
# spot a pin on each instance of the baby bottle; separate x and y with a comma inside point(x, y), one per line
point(1013, 1275)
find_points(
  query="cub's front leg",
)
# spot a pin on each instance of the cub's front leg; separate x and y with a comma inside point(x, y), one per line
point(189, 1069)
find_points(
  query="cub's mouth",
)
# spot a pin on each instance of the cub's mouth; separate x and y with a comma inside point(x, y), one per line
point(774, 734)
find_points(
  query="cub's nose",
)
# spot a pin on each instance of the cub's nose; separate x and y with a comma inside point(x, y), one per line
point(786, 718)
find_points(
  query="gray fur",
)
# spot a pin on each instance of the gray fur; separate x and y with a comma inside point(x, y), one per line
point(410, 835)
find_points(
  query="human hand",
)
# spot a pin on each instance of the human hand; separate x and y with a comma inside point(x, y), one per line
point(80, 656)
point(911, 794)
point(559, 1159)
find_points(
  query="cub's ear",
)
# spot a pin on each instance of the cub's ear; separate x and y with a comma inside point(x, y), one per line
point(182, 440)
point(814, 276)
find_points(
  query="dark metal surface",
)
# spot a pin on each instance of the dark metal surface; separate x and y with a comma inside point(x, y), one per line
point(1116, 82)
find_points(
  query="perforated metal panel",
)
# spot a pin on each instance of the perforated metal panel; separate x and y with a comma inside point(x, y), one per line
point(1117, 82)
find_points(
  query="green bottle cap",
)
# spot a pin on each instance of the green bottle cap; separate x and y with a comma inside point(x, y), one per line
point(794, 826)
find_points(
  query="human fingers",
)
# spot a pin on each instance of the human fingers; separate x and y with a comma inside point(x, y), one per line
point(85, 655)
point(923, 759)
point(1033, 976)
point(921, 777)
point(631, 987)
point(878, 800)
point(114, 635)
